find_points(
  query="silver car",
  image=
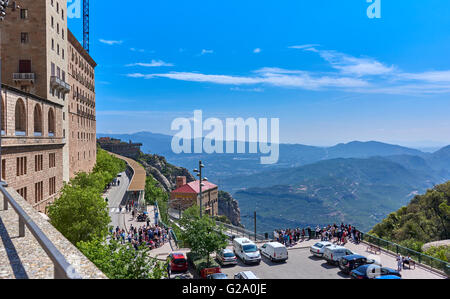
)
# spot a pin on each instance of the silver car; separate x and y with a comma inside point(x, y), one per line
point(226, 257)
point(318, 248)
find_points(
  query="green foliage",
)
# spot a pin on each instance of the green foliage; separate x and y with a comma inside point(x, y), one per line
point(80, 214)
point(122, 261)
point(153, 192)
point(109, 165)
point(439, 252)
point(202, 234)
point(426, 218)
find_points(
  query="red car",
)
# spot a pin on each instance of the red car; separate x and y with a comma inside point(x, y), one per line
point(178, 262)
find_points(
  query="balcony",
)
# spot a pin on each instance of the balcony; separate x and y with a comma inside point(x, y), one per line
point(30, 247)
point(57, 83)
point(24, 78)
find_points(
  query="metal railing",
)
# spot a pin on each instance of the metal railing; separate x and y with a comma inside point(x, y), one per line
point(63, 269)
point(398, 249)
point(242, 232)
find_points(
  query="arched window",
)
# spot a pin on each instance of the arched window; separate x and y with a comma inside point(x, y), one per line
point(20, 118)
point(37, 116)
point(51, 122)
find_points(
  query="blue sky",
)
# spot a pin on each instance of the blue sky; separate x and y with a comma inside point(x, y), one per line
point(327, 71)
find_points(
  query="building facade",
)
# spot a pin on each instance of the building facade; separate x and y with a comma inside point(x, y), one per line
point(32, 146)
point(82, 122)
point(37, 51)
point(187, 194)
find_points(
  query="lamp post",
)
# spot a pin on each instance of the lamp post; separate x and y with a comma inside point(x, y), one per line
point(199, 174)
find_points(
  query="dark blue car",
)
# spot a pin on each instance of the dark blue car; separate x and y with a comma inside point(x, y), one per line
point(372, 271)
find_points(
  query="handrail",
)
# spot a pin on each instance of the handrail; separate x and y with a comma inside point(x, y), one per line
point(63, 270)
point(394, 247)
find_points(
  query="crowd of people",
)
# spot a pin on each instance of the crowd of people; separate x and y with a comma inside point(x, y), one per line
point(338, 234)
point(152, 236)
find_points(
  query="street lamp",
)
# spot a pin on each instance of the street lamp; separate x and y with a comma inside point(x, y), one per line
point(199, 174)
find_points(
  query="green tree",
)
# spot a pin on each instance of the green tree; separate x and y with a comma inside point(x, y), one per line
point(201, 233)
point(122, 261)
point(80, 214)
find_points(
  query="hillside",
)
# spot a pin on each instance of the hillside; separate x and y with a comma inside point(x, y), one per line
point(222, 166)
point(358, 191)
point(425, 219)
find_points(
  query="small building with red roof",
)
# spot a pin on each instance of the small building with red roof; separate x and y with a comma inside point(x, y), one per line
point(186, 195)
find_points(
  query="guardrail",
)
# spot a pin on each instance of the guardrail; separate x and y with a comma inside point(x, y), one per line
point(242, 232)
point(63, 270)
point(398, 249)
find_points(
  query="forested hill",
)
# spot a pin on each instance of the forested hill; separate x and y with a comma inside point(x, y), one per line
point(426, 218)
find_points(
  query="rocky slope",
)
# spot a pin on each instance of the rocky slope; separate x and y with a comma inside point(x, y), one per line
point(166, 174)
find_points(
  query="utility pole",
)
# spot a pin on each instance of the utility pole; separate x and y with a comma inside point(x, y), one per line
point(254, 215)
point(199, 174)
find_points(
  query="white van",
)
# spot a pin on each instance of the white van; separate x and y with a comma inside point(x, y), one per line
point(274, 251)
point(334, 253)
point(246, 250)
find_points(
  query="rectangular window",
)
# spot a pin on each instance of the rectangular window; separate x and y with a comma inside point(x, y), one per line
point(23, 13)
point(24, 38)
point(53, 23)
point(38, 163)
point(52, 160)
point(3, 170)
point(21, 166)
point(62, 14)
point(24, 66)
point(23, 192)
point(38, 192)
point(52, 186)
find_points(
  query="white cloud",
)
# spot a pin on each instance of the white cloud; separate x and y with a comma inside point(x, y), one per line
point(435, 76)
point(287, 79)
point(153, 63)
point(111, 42)
point(204, 51)
point(257, 50)
point(137, 50)
point(307, 46)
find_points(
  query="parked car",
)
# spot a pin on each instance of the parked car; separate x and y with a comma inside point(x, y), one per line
point(226, 257)
point(245, 275)
point(178, 262)
point(202, 266)
point(246, 250)
point(318, 248)
point(350, 262)
point(217, 276)
point(388, 277)
point(372, 271)
point(334, 253)
point(274, 251)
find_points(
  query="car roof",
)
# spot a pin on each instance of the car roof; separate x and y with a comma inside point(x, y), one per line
point(335, 247)
point(353, 256)
point(178, 255)
point(226, 250)
point(388, 277)
point(275, 244)
point(249, 274)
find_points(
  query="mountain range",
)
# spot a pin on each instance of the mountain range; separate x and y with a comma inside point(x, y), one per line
point(356, 182)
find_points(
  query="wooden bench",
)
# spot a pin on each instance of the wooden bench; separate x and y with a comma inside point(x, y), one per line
point(374, 249)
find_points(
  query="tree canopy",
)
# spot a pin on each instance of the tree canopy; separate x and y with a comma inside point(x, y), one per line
point(201, 233)
point(425, 219)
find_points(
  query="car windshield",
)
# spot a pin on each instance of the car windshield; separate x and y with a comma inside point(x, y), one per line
point(219, 276)
point(179, 261)
point(228, 254)
point(250, 248)
point(318, 245)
